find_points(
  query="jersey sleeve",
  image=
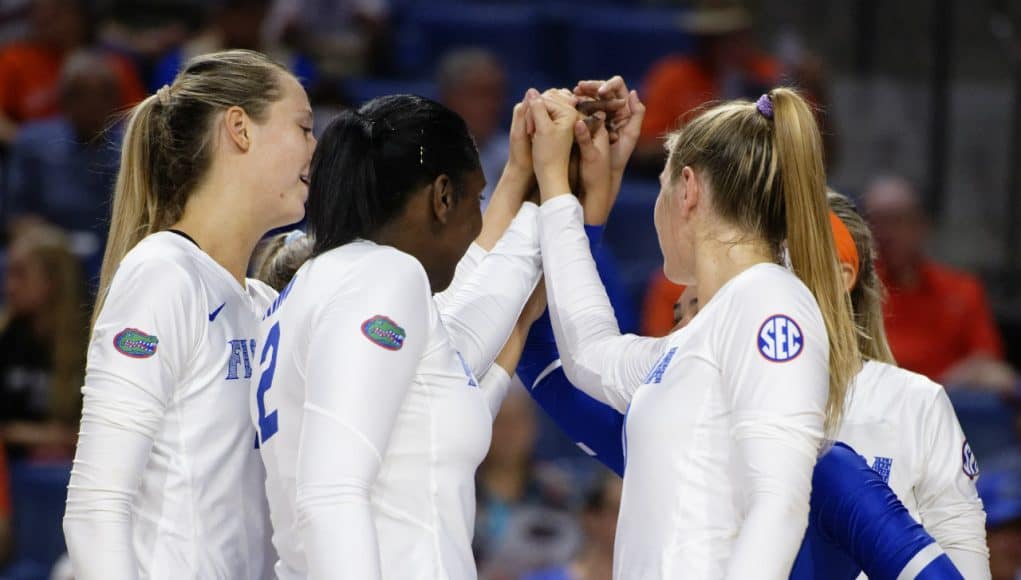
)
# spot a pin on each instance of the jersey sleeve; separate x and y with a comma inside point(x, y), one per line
point(482, 314)
point(365, 348)
point(948, 502)
point(144, 338)
point(869, 529)
point(772, 349)
point(597, 359)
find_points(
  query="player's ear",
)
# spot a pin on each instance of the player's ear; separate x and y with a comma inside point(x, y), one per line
point(441, 194)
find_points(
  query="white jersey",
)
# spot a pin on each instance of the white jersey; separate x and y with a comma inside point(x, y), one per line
point(722, 432)
point(371, 419)
point(166, 480)
point(906, 428)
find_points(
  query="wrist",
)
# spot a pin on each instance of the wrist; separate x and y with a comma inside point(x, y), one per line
point(553, 183)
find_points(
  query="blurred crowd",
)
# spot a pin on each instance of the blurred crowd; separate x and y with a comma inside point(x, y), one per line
point(70, 68)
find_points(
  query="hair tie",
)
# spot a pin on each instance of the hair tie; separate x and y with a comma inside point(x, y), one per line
point(163, 94)
point(293, 237)
point(765, 106)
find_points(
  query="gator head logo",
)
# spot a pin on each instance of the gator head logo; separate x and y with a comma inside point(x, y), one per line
point(384, 332)
point(135, 343)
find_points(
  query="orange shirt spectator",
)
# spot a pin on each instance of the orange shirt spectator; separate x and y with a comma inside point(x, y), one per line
point(937, 319)
point(676, 85)
point(940, 321)
point(29, 87)
point(658, 307)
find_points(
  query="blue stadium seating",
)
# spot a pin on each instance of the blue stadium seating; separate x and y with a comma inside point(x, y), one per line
point(37, 494)
point(430, 30)
point(987, 420)
point(621, 41)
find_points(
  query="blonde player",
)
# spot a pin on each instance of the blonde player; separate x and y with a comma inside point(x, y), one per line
point(723, 432)
point(370, 417)
point(166, 482)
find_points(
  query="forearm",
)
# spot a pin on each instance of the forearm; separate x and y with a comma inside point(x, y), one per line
point(596, 358)
point(113, 448)
point(481, 316)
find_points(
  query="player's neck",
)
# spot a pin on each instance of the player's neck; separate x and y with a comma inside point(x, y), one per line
point(719, 259)
point(225, 238)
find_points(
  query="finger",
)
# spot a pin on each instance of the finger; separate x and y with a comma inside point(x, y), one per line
point(611, 105)
point(561, 96)
point(637, 108)
point(613, 88)
point(539, 114)
point(584, 140)
point(518, 118)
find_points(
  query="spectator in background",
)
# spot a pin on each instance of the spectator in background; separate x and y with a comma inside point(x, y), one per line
point(30, 70)
point(345, 37)
point(1000, 490)
point(234, 24)
point(599, 522)
point(509, 480)
point(660, 302)
point(726, 65)
point(473, 83)
point(63, 169)
point(42, 346)
point(937, 319)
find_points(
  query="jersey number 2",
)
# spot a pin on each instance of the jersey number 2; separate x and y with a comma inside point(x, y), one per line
point(268, 423)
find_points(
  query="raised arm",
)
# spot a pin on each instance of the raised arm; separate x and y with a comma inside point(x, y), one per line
point(355, 386)
point(140, 348)
point(595, 357)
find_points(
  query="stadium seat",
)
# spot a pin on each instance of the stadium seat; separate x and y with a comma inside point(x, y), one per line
point(430, 30)
point(631, 236)
point(988, 422)
point(609, 41)
point(37, 494)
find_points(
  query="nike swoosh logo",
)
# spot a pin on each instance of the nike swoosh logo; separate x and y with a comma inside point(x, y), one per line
point(212, 315)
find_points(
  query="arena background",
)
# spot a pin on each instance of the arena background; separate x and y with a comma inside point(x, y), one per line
point(926, 91)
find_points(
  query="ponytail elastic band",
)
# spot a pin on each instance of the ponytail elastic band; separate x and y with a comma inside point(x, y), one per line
point(164, 95)
point(765, 106)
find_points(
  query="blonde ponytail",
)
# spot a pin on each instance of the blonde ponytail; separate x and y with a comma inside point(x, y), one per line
point(797, 147)
point(166, 149)
point(764, 163)
point(135, 201)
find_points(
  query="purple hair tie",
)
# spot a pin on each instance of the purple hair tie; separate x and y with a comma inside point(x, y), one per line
point(765, 106)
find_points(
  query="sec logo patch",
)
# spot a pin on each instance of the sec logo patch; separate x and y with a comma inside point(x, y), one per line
point(969, 465)
point(780, 339)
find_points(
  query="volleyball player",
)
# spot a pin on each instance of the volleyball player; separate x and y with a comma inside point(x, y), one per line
point(370, 416)
point(166, 482)
point(719, 472)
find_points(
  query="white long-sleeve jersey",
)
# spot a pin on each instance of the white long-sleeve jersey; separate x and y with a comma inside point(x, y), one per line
point(166, 480)
point(722, 433)
point(906, 428)
point(371, 420)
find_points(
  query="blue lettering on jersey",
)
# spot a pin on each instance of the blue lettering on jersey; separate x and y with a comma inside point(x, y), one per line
point(882, 466)
point(655, 376)
point(467, 371)
point(239, 355)
point(969, 464)
point(780, 339)
point(279, 299)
